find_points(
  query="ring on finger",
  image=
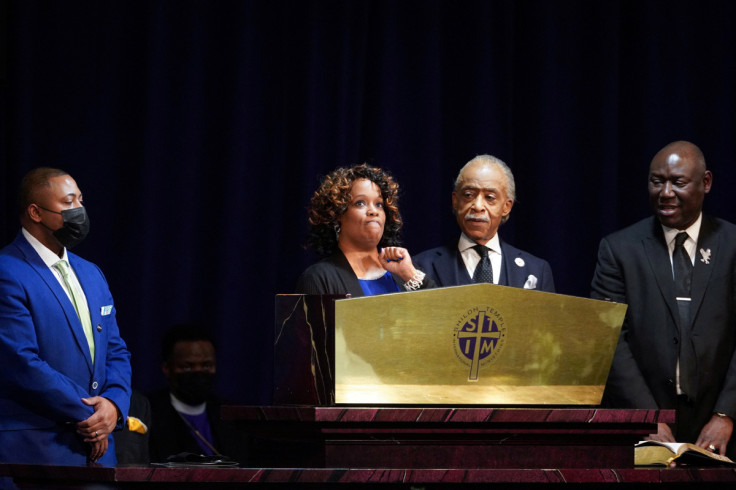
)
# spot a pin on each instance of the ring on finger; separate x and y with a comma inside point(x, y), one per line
point(95, 433)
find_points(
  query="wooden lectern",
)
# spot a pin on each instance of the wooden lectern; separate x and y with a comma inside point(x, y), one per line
point(479, 376)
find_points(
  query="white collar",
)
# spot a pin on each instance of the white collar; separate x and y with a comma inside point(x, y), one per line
point(185, 408)
point(49, 258)
point(693, 231)
point(465, 243)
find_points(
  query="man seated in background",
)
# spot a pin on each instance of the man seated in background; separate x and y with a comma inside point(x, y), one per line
point(185, 418)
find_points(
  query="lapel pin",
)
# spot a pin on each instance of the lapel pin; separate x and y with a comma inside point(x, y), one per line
point(519, 261)
point(706, 255)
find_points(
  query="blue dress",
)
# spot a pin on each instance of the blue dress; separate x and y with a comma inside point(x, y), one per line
point(382, 285)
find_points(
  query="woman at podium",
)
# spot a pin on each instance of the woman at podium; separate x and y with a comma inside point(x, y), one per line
point(355, 222)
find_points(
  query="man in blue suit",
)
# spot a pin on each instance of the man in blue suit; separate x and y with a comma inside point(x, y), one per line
point(64, 370)
point(483, 197)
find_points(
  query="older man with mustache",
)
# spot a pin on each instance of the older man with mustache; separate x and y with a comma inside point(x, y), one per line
point(482, 199)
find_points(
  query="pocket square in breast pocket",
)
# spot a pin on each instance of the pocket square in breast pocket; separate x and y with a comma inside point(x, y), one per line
point(136, 425)
point(531, 282)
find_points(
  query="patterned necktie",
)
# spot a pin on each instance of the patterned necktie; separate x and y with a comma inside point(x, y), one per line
point(484, 271)
point(80, 305)
point(683, 270)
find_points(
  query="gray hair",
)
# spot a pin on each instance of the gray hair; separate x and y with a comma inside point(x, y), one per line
point(488, 161)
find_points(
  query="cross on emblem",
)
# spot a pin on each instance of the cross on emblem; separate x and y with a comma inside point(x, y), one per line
point(483, 336)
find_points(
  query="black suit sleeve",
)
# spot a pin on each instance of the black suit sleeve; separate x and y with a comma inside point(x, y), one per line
point(726, 402)
point(626, 386)
point(427, 282)
point(548, 282)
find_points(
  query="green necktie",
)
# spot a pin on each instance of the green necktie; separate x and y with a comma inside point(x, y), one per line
point(79, 304)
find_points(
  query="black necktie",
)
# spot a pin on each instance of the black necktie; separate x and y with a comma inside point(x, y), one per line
point(683, 269)
point(484, 270)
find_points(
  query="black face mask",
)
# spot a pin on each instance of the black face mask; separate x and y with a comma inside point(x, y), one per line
point(192, 388)
point(75, 228)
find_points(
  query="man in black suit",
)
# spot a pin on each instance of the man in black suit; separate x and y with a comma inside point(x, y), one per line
point(482, 199)
point(677, 344)
point(185, 418)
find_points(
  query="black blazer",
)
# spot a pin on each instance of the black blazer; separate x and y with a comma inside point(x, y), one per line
point(634, 268)
point(333, 275)
point(132, 447)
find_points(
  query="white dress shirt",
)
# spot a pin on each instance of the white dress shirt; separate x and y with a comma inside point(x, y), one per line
point(472, 259)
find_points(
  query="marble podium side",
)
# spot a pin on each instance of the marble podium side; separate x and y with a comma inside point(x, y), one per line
point(67, 477)
point(435, 437)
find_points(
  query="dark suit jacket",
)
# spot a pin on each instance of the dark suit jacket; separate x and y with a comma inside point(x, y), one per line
point(446, 267)
point(634, 268)
point(333, 275)
point(169, 434)
point(131, 447)
point(45, 367)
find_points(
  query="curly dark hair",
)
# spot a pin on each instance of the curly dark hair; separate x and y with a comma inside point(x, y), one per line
point(332, 198)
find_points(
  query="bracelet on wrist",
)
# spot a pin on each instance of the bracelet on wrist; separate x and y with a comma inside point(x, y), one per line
point(415, 282)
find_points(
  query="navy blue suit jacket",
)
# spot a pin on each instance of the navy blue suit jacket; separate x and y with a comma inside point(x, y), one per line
point(446, 267)
point(45, 367)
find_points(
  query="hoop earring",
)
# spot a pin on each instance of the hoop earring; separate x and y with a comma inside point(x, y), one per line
point(337, 232)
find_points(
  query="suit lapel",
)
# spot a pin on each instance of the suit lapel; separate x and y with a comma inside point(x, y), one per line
point(457, 274)
point(659, 260)
point(707, 241)
point(345, 273)
point(449, 268)
point(514, 274)
point(75, 326)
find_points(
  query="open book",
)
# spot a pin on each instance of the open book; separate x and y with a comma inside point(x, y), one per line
point(653, 453)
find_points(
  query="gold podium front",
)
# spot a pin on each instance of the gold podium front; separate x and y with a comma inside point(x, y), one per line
point(477, 344)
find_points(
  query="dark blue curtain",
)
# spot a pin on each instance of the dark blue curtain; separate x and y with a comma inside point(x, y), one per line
point(197, 131)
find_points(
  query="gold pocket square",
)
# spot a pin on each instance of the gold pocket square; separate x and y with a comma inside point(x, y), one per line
point(135, 425)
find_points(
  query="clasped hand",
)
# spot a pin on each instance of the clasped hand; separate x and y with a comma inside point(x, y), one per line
point(95, 429)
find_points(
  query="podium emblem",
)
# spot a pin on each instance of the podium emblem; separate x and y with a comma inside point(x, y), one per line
point(479, 337)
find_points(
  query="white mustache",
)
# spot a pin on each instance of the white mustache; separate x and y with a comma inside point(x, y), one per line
point(477, 218)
